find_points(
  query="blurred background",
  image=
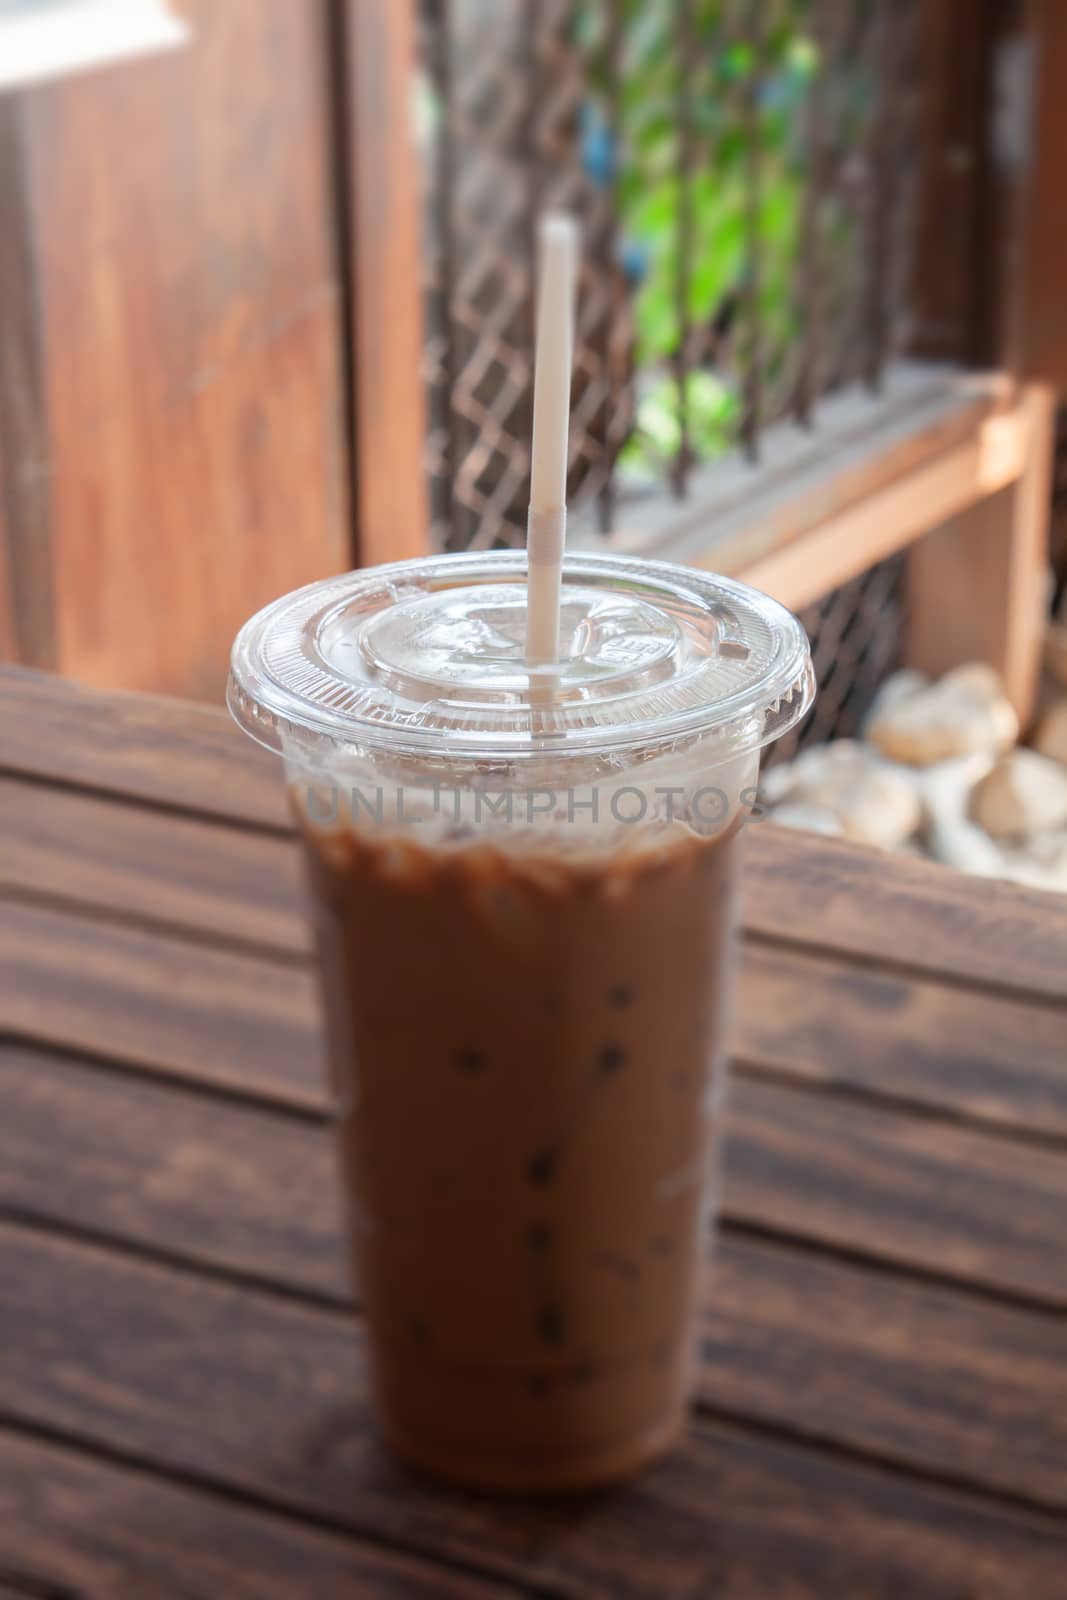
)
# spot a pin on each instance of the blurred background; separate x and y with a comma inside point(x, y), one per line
point(266, 312)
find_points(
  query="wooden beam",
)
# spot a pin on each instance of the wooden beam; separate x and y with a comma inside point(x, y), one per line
point(977, 584)
point(820, 558)
point(862, 442)
point(27, 611)
point(820, 508)
point(1039, 322)
point(8, 645)
point(952, 266)
point(382, 201)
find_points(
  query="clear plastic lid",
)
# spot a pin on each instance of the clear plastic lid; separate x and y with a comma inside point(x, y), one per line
point(427, 656)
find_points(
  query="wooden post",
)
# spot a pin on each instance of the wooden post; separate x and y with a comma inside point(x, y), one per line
point(977, 584)
point(172, 449)
point(27, 598)
point(952, 266)
point(1038, 330)
point(381, 198)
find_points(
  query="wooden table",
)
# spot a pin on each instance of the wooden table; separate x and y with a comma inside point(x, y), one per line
point(183, 1402)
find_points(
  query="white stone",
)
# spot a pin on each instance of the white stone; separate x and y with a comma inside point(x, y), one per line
point(945, 787)
point(822, 774)
point(1051, 736)
point(960, 844)
point(879, 807)
point(1041, 862)
point(777, 783)
point(967, 711)
point(897, 687)
point(871, 800)
point(1025, 793)
point(820, 771)
point(816, 819)
point(1048, 849)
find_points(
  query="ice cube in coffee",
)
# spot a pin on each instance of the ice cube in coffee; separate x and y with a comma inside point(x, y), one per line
point(524, 884)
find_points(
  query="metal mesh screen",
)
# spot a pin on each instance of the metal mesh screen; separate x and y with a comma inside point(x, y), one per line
point(856, 634)
point(741, 172)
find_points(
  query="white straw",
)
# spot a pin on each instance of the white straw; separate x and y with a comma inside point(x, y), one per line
point(547, 522)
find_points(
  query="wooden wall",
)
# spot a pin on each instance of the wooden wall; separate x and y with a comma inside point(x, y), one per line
point(171, 349)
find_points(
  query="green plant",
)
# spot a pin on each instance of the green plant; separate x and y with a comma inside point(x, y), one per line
point(746, 99)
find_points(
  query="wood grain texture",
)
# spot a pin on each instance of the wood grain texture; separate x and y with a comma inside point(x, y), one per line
point(272, 1398)
point(886, 520)
point(992, 562)
point(912, 1373)
point(9, 646)
point(91, 1529)
point(253, 1192)
point(922, 1195)
point(27, 606)
point(738, 512)
point(822, 892)
point(1039, 329)
point(167, 752)
point(382, 177)
point(206, 878)
point(984, 1056)
point(186, 270)
point(236, 1188)
point(860, 903)
point(162, 1003)
point(948, 290)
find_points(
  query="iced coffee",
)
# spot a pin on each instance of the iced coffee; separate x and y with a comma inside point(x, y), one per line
point(524, 890)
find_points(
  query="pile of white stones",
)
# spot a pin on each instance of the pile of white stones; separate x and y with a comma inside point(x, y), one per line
point(938, 772)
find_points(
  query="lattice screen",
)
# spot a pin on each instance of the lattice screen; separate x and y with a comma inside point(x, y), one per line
point(856, 635)
point(741, 175)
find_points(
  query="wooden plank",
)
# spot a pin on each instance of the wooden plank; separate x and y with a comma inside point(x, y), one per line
point(9, 647)
point(275, 1403)
point(980, 1056)
point(916, 1375)
point(171, 1004)
point(235, 1188)
point(823, 507)
point(860, 903)
point(187, 273)
point(77, 1526)
point(863, 441)
point(977, 586)
point(168, 752)
point(391, 510)
point(1040, 256)
point(27, 611)
point(947, 298)
point(813, 563)
point(983, 1211)
point(209, 878)
point(252, 1192)
point(162, 1003)
point(816, 891)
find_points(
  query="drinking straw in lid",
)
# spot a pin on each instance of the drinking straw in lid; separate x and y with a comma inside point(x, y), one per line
point(547, 521)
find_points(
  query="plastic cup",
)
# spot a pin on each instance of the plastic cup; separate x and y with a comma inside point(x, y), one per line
point(524, 883)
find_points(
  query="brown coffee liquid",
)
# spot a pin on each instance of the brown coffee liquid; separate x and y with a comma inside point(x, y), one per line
point(524, 1048)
